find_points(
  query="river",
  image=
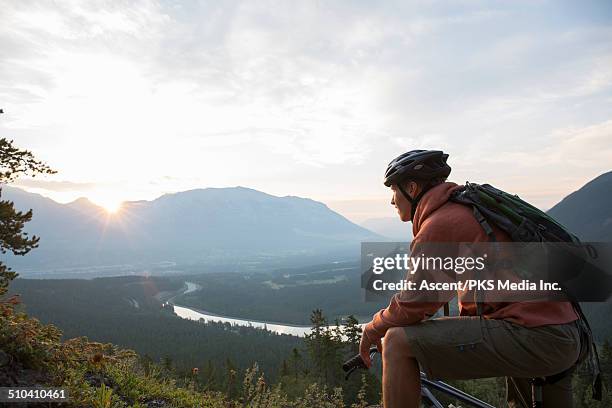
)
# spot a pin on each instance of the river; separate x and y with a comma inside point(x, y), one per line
point(195, 314)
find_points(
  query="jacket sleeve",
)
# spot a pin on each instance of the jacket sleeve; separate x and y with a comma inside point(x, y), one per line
point(401, 313)
point(410, 307)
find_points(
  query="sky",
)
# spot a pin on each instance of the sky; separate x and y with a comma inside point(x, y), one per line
point(129, 100)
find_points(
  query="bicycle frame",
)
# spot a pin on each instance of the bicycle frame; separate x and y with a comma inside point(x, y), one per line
point(427, 396)
point(449, 391)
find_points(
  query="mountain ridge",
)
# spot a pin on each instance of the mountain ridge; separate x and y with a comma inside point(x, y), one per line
point(587, 212)
point(190, 226)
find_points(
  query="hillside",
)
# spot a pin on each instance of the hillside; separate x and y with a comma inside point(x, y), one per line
point(99, 375)
point(126, 311)
point(588, 211)
point(180, 363)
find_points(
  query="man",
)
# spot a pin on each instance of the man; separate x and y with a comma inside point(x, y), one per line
point(516, 340)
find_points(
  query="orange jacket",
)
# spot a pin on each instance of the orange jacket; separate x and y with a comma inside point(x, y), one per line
point(439, 220)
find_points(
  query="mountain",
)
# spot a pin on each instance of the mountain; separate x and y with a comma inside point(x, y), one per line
point(203, 225)
point(588, 214)
point(588, 211)
point(389, 227)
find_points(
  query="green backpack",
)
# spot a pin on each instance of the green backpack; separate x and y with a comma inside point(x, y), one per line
point(526, 223)
point(522, 221)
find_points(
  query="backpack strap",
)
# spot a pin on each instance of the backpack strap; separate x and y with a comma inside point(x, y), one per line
point(483, 223)
point(590, 354)
point(489, 231)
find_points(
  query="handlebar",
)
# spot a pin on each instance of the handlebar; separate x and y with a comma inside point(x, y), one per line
point(356, 362)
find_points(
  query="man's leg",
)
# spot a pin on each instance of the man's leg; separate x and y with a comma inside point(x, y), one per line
point(472, 347)
point(401, 377)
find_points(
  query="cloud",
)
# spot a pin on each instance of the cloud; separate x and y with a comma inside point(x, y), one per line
point(565, 160)
point(588, 147)
point(267, 93)
point(56, 186)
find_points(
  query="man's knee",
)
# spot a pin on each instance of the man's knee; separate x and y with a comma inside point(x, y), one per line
point(396, 343)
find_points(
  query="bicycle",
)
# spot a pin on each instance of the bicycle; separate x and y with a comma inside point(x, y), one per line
point(427, 396)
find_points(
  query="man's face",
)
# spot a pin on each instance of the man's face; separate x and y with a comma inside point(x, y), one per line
point(400, 202)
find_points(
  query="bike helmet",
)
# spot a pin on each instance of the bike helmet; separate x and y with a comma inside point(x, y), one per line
point(417, 165)
point(421, 165)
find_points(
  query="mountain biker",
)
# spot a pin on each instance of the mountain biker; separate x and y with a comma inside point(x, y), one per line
point(519, 340)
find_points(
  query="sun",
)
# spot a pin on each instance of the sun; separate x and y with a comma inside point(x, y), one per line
point(109, 201)
point(111, 207)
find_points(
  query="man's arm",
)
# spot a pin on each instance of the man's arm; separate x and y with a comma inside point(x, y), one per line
point(409, 306)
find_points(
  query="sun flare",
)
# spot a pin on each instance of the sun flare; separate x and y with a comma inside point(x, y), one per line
point(111, 207)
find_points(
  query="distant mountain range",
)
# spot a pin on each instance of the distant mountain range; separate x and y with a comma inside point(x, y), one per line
point(588, 211)
point(212, 224)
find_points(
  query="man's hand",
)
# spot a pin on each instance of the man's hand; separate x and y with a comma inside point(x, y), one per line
point(368, 339)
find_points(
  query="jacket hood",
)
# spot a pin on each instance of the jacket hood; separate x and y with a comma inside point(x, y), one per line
point(430, 202)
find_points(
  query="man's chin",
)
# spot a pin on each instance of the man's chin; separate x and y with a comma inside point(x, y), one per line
point(404, 217)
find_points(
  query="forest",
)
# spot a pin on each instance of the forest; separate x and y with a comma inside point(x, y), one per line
point(103, 309)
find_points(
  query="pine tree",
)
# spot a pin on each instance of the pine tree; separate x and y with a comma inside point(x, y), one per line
point(334, 354)
point(296, 362)
point(230, 379)
point(325, 345)
point(352, 332)
point(284, 371)
point(15, 162)
point(315, 342)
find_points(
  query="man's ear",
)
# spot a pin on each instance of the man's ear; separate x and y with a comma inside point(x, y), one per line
point(411, 187)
